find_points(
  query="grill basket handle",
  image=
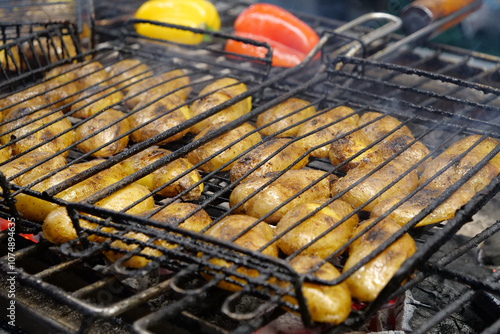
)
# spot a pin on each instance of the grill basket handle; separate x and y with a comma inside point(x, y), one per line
point(422, 13)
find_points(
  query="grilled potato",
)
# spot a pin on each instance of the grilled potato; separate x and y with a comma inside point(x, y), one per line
point(343, 150)
point(285, 187)
point(369, 189)
point(36, 209)
point(169, 111)
point(292, 111)
point(288, 153)
point(95, 99)
point(447, 209)
point(256, 238)
point(106, 137)
point(171, 214)
point(219, 92)
point(320, 137)
point(158, 86)
point(31, 98)
point(367, 282)
point(308, 232)
point(58, 228)
point(165, 174)
point(381, 127)
point(175, 214)
point(125, 72)
point(135, 261)
point(42, 134)
point(5, 154)
point(64, 82)
point(457, 170)
point(216, 146)
point(328, 304)
point(26, 161)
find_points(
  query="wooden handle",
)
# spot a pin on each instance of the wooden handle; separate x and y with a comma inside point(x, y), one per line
point(421, 13)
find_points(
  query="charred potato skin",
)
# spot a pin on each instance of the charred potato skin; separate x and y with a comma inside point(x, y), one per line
point(320, 137)
point(288, 155)
point(285, 109)
point(168, 113)
point(310, 229)
point(103, 137)
point(219, 92)
point(166, 173)
point(273, 195)
point(216, 146)
point(366, 283)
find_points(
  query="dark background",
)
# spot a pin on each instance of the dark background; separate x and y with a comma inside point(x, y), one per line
point(480, 31)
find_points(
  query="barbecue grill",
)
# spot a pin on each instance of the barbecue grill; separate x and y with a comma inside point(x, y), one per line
point(441, 93)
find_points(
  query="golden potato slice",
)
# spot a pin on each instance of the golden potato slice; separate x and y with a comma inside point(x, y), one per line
point(310, 230)
point(95, 99)
point(221, 91)
point(169, 113)
point(158, 86)
point(257, 237)
point(367, 282)
point(286, 156)
point(280, 190)
point(126, 72)
point(216, 146)
point(327, 304)
point(320, 137)
point(293, 110)
point(94, 127)
point(58, 228)
point(165, 174)
point(368, 189)
point(43, 133)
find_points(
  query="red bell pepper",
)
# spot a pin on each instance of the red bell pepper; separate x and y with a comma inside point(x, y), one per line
point(290, 38)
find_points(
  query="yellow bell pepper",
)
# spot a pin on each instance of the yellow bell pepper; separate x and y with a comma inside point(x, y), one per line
point(200, 14)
